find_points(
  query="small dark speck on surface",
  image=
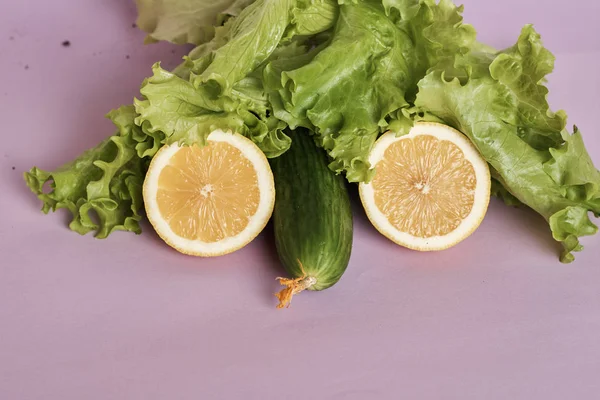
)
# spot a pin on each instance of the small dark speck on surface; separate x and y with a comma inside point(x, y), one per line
point(13, 168)
point(26, 67)
point(11, 38)
point(66, 43)
point(134, 25)
point(173, 51)
point(127, 56)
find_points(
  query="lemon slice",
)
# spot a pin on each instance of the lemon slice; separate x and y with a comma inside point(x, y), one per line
point(431, 187)
point(209, 200)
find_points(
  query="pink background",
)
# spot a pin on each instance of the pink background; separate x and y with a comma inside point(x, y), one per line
point(497, 317)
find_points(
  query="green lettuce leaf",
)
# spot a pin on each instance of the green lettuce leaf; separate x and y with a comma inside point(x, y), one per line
point(234, 9)
point(224, 87)
point(105, 180)
point(406, 9)
point(345, 90)
point(438, 33)
point(502, 108)
point(362, 80)
point(310, 17)
point(186, 115)
point(185, 21)
point(173, 107)
point(252, 37)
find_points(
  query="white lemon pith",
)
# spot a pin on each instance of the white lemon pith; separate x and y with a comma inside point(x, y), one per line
point(431, 187)
point(209, 200)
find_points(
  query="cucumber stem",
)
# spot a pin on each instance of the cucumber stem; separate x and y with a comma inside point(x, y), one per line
point(293, 286)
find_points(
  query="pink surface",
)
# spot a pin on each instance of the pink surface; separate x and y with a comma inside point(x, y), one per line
point(497, 317)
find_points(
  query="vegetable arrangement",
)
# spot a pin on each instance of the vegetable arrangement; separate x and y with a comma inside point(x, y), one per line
point(291, 74)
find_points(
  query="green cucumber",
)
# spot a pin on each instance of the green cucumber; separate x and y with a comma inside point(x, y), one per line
point(312, 218)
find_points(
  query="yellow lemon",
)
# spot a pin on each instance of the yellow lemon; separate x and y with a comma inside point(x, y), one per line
point(431, 187)
point(209, 200)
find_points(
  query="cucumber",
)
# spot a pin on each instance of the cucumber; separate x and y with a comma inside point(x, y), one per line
point(312, 218)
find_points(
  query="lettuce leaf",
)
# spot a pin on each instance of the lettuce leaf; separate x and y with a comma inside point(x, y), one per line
point(105, 180)
point(252, 38)
point(345, 91)
point(221, 86)
point(184, 21)
point(502, 108)
point(185, 115)
point(362, 80)
point(220, 91)
point(310, 17)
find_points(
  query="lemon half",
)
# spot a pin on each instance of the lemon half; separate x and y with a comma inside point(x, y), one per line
point(431, 187)
point(209, 200)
